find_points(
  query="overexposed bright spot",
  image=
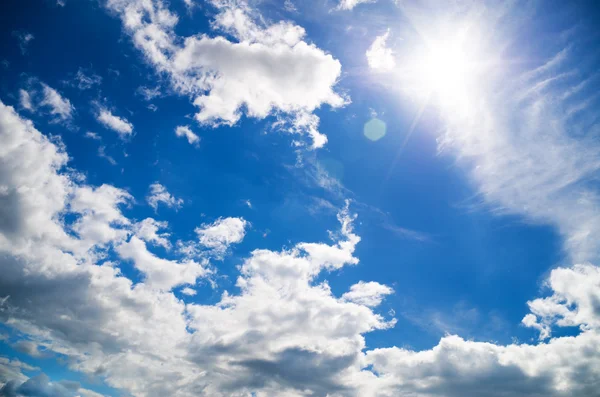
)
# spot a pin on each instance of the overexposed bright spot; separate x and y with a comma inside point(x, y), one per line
point(446, 67)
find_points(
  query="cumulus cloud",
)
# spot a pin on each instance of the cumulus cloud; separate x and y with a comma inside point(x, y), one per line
point(160, 273)
point(185, 132)
point(281, 332)
point(368, 294)
point(148, 230)
point(379, 56)
point(220, 234)
point(281, 74)
point(159, 194)
point(118, 124)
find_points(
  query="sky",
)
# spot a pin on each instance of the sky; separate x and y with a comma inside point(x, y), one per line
point(299, 198)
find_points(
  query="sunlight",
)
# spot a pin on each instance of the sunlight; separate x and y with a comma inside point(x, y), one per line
point(446, 71)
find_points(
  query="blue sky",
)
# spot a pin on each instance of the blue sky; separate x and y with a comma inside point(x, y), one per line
point(328, 198)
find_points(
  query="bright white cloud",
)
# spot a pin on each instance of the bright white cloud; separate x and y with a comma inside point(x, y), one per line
point(188, 291)
point(379, 56)
point(282, 333)
point(118, 124)
point(368, 294)
point(148, 230)
point(59, 107)
point(185, 132)
point(573, 303)
point(159, 194)
point(350, 4)
point(269, 70)
point(160, 273)
point(220, 234)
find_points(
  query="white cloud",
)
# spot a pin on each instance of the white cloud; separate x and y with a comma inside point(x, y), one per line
point(350, 4)
point(159, 194)
point(188, 291)
point(93, 135)
point(368, 294)
point(147, 230)
point(101, 221)
point(25, 100)
point(575, 301)
point(118, 124)
point(380, 57)
point(149, 93)
point(220, 234)
point(283, 333)
point(60, 107)
point(160, 273)
point(281, 73)
point(52, 102)
point(185, 131)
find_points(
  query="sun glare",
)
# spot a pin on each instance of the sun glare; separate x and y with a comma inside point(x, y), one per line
point(446, 71)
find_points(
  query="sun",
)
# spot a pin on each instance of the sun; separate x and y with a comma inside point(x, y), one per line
point(447, 71)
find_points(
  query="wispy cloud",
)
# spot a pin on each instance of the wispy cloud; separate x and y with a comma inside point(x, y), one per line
point(118, 124)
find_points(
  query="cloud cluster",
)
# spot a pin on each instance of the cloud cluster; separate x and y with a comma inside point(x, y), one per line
point(268, 70)
point(68, 249)
point(284, 332)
